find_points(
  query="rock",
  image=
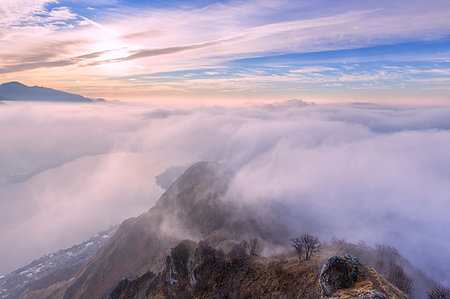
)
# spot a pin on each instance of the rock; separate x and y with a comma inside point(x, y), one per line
point(201, 255)
point(177, 261)
point(338, 273)
point(352, 260)
point(185, 262)
point(202, 252)
point(121, 288)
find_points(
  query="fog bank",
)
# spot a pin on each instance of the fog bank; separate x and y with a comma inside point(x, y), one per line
point(360, 172)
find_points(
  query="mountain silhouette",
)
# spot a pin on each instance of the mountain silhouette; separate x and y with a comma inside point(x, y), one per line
point(15, 91)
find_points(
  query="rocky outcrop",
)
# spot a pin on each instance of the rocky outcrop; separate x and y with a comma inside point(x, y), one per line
point(199, 271)
point(133, 288)
point(178, 261)
point(339, 273)
point(346, 277)
point(206, 273)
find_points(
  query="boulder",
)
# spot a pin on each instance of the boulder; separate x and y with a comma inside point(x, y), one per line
point(339, 273)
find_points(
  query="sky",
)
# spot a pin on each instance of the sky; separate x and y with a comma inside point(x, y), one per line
point(231, 51)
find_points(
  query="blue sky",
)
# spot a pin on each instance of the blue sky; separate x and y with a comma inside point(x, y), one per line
point(323, 51)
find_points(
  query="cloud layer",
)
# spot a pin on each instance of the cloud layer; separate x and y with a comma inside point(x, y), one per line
point(361, 172)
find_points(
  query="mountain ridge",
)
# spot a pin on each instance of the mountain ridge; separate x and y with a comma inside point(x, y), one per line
point(193, 207)
point(16, 91)
point(196, 207)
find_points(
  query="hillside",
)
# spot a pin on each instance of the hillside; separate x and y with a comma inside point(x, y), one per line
point(193, 207)
point(15, 91)
point(52, 268)
point(199, 271)
point(197, 208)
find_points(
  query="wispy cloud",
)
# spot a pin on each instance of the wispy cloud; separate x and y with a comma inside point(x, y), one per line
point(149, 40)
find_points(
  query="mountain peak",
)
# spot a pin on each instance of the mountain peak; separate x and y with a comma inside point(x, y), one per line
point(204, 171)
point(195, 198)
point(16, 91)
point(13, 83)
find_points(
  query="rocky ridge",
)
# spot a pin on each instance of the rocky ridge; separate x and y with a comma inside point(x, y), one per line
point(193, 207)
point(145, 258)
point(200, 271)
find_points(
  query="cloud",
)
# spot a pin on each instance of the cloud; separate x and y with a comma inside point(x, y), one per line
point(45, 63)
point(32, 13)
point(317, 69)
point(143, 53)
point(149, 40)
point(367, 172)
point(34, 65)
point(13, 12)
point(48, 64)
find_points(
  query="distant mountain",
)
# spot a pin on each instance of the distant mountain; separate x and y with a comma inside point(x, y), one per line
point(15, 91)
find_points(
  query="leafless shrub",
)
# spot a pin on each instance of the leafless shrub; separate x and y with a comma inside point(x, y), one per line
point(384, 255)
point(439, 292)
point(298, 246)
point(307, 244)
point(399, 278)
point(386, 263)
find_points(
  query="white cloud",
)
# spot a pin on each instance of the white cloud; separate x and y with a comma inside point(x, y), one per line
point(313, 69)
point(361, 171)
point(61, 13)
point(244, 29)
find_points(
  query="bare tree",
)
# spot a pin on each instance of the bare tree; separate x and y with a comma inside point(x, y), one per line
point(311, 244)
point(307, 244)
point(387, 263)
point(298, 246)
point(399, 278)
point(439, 292)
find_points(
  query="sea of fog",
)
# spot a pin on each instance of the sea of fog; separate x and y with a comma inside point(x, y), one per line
point(363, 172)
